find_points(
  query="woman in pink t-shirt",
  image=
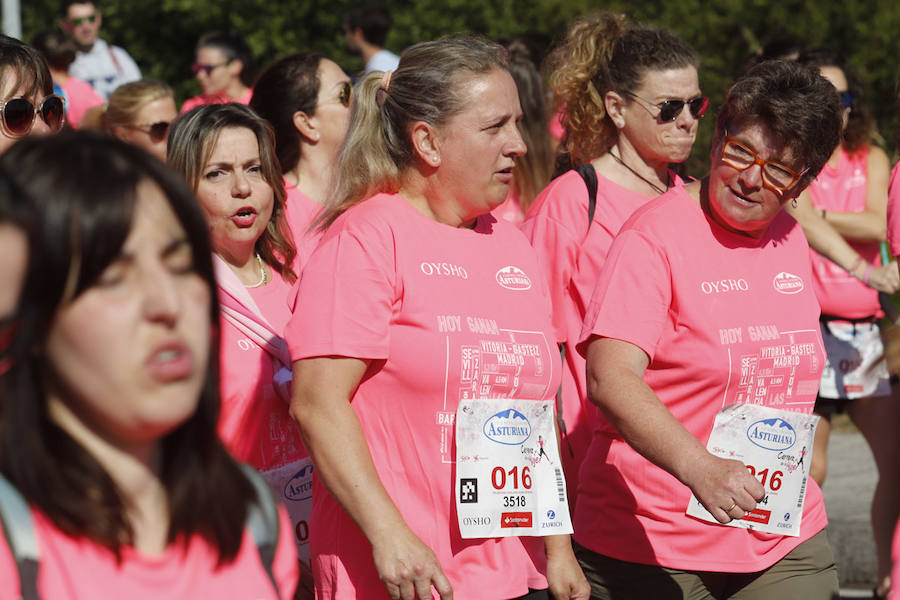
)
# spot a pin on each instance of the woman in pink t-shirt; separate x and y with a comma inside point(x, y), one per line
point(224, 68)
point(706, 302)
point(226, 153)
point(632, 106)
point(850, 195)
point(306, 98)
point(110, 408)
point(419, 309)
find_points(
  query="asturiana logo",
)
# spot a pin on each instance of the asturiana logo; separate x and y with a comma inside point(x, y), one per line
point(299, 487)
point(508, 427)
point(513, 278)
point(786, 283)
point(772, 434)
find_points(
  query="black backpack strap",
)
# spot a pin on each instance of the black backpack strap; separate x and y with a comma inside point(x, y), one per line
point(589, 175)
point(262, 521)
point(19, 531)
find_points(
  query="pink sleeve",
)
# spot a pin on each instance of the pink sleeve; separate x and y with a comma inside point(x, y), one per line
point(549, 228)
point(633, 294)
point(9, 574)
point(285, 566)
point(346, 296)
point(893, 212)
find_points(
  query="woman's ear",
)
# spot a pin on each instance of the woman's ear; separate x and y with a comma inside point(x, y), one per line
point(615, 108)
point(305, 125)
point(426, 144)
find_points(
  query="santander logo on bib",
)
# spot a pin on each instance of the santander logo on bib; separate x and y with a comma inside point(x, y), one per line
point(786, 283)
point(508, 427)
point(513, 278)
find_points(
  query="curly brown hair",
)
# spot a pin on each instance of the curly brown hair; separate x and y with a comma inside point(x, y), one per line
point(601, 53)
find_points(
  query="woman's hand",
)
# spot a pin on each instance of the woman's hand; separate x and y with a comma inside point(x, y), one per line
point(724, 487)
point(408, 567)
point(564, 575)
point(885, 278)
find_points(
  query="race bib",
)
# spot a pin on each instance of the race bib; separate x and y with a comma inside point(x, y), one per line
point(776, 446)
point(292, 485)
point(509, 479)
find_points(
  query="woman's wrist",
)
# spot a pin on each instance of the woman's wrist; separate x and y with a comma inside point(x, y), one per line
point(854, 268)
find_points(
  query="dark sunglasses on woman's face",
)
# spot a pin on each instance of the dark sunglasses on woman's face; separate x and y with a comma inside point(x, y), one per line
point(670, 109)
point(846, 98)
point(157, 131)
point(346, 93)
point(19, 114)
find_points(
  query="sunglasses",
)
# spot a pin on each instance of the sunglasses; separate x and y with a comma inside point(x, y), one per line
point(846, 98)
point(346, 93)
point(207, 69)
point(18, 114)
point(774, 175)
point(157, 131)
point(79, 20)
point(670, 109)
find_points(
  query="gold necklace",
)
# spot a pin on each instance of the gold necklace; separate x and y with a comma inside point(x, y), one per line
point(262, 273)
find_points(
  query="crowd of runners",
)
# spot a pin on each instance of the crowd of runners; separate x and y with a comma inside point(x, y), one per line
point(459, 326)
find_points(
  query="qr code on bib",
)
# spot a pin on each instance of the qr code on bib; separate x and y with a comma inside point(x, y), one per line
point(468, 491)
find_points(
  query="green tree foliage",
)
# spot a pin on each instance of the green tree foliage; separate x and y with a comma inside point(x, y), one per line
point(161, 34)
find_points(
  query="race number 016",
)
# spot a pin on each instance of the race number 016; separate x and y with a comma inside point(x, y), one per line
point(774, 482)
point(499, 477)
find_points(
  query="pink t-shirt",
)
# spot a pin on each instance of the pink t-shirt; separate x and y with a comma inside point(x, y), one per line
point(571, 256)
point(443, 314)
point(73, 568)
point(895, 558)
point(510, 210)
point(301, 211)
point(204, 99)
point(843, 189)
point(80, 96)
point(723, 318)
point(893, 212)
point(254, 422)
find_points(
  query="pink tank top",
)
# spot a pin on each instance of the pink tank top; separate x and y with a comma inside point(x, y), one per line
point(843, 189)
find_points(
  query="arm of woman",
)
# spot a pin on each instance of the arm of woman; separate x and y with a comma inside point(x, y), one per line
point(825, 240)
point(615, 371)
point(564, 575)
point(870, 225)
point(323, 388)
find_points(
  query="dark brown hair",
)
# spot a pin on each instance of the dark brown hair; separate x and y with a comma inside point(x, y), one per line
point(82, 187)
point(794, 103)
point(860, 129)
point(27, 65)
point(286, 86)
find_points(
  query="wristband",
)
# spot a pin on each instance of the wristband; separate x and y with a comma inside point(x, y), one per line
point(865, 278)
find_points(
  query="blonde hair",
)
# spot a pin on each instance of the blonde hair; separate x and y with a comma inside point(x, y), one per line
point(128, 99)
point(191, 142)
point(426, 87)
point(602, 53)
